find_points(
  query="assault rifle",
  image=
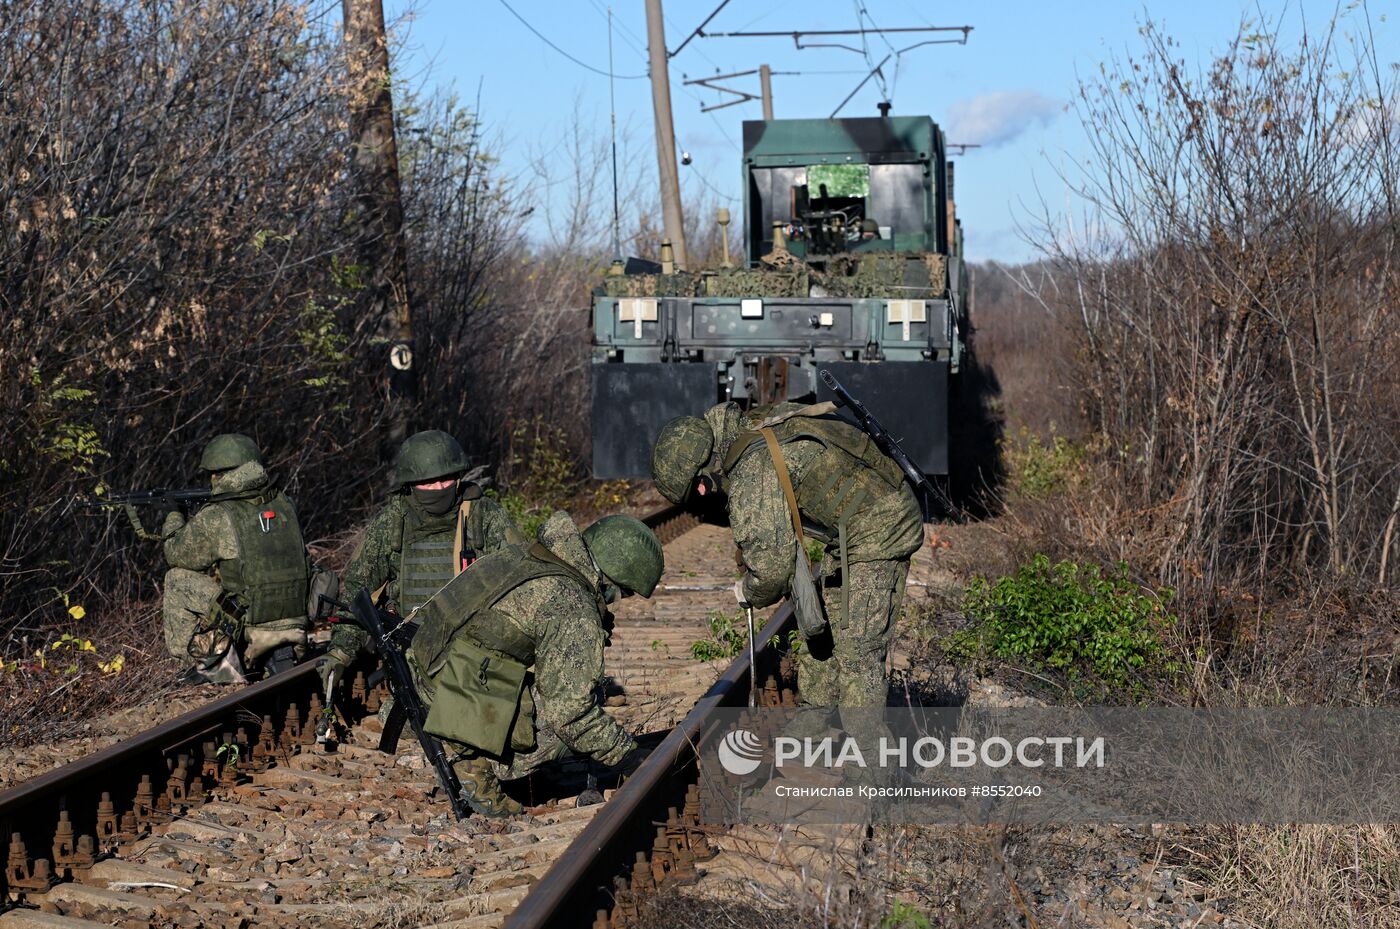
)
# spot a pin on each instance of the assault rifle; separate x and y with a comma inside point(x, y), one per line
point(408, 705)
point(923, 487)
point(162, 497)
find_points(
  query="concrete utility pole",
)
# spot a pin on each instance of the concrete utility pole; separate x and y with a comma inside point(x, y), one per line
point(765, 80)
point(375, 166)
point(671, 214)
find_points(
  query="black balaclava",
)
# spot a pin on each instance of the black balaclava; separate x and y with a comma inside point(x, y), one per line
point(436, 502)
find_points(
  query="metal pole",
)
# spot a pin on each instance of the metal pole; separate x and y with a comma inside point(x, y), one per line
point(753, 668)
point(765, 79)
point(672, 216)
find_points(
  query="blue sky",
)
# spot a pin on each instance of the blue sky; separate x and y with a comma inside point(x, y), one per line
point(1007, 88)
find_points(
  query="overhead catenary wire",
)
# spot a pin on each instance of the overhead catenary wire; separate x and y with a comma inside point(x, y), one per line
point(865, 52)
point(873, 71)
point(699, 30)
point(582, 64)
point(862, 14)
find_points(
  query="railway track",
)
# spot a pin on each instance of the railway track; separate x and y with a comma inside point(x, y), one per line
point(233, 816)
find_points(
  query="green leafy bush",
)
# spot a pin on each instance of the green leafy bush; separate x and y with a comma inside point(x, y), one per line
point(541, 473)
point(1041, 467)
point(1076, 619)
point(728, 637)
point(905, 916)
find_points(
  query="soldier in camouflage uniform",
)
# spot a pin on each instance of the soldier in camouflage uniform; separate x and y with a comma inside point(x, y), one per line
point(848, 492)
point(541, 606)
point(434, 525)
point(237, 586)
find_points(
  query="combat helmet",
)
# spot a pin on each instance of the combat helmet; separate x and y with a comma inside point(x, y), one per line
point(627, 551)
point(427, 455)
point(681, 450)
point(229, 450)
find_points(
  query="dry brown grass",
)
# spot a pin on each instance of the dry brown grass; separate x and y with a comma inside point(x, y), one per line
point(1299, 877)
point(50, 693)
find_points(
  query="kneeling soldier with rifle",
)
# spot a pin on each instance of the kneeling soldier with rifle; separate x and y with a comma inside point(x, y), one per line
point(540, 606)
point(239, 573)
point(790, 470)
point(435, 523)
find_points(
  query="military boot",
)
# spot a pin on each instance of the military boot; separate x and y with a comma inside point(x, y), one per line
point(481, 789)
point(227, 669)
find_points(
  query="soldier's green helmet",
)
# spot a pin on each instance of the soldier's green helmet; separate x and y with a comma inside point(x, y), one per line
point(229, 451)
point(627, 551)
point(425, 456)
point(869, 225)
point(681, 450)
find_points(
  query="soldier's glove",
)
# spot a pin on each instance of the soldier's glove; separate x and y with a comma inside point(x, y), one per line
point(174, 522)
point(740, 595)
point(631, 761)
point(331, 667)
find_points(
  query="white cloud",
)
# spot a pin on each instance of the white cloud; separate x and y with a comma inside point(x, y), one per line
point(998, 117)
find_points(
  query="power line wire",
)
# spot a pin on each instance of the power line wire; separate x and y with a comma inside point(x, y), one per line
point(581, 64)
point(865, 50)
point(898, 55)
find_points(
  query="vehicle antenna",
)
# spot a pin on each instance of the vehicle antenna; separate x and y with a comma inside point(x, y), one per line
point(612, 101)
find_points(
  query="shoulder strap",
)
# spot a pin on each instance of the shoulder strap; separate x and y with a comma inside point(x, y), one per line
point(478, 589)
point(457, 539)
point(784, 479)
point(814, 409)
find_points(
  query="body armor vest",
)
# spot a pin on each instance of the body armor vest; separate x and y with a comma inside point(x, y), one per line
point(426, 560)
point(850, 473)
point(425, 557)
point(467, 604)
point(269, 576)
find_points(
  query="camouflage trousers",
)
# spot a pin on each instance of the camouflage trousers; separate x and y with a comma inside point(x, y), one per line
point(854, 674)
point(188, 602)
point(515, 765)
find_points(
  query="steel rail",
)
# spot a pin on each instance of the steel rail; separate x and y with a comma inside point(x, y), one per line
point(31, 809)
point(579, 883)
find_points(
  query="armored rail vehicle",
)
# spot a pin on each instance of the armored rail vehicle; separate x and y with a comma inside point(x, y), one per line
point(853, 262)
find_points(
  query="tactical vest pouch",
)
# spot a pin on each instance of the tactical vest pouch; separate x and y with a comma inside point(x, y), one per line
point(477, 700)
point(218, 630)
point(324, 582)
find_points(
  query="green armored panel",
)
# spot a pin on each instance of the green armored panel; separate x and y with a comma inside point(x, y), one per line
point(808, 173)
point(830, 141)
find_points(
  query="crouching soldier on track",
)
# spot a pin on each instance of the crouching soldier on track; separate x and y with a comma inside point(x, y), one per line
point(804, 466)
point(237, 586)
point(541, 606)
point(434, 525)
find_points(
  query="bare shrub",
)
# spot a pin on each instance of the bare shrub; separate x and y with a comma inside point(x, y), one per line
point(1236, 304)
point(177, 259)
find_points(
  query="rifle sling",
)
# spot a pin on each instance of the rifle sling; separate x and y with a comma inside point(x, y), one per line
point(784, 479)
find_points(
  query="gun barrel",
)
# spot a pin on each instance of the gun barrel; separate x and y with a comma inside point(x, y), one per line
point(158, 496)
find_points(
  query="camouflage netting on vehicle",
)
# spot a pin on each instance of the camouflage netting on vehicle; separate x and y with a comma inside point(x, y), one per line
point(885, 276)
point(747, 282)
point(680, 284)
point(850, 276)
